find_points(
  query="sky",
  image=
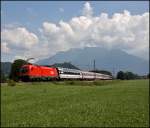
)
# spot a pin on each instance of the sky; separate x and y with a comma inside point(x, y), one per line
point(41, 29)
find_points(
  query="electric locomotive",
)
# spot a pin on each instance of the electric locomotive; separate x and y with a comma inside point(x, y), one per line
point(36, 72)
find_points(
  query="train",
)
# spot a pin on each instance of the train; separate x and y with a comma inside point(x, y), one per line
point(31, 72)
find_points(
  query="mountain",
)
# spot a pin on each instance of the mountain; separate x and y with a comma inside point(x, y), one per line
point(5, 68)
point(111, 60)
point(63, 65)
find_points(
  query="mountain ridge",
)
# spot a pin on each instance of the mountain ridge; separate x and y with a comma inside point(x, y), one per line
point(5, 68)
point(106, 59)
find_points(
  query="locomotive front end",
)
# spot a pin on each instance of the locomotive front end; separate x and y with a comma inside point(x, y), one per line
point(24, 73)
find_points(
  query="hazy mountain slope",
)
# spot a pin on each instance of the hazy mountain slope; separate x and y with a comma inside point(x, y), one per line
point(105, 59)
point(63, 65)
point(5, 68)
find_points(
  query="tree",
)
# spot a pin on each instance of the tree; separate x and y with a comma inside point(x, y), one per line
point(126, 75)
point(15, 68)
point(3, 78)
point(120, 75)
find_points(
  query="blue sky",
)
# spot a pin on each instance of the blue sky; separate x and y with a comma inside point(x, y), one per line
point(31, 15)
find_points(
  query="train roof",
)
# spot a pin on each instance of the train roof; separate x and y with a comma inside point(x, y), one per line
point(68, 69)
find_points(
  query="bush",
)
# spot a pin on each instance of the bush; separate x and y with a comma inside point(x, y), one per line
point(121, 75)
point(11, 83)
point(126, 75)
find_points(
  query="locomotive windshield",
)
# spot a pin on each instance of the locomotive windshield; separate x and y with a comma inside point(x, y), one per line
point(24, 70)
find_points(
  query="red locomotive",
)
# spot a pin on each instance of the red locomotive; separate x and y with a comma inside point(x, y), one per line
point(36, 72)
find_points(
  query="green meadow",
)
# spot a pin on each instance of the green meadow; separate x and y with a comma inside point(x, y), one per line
point(76, 104)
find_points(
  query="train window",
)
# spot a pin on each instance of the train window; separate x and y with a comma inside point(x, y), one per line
point(24, 70)
point(72, 73)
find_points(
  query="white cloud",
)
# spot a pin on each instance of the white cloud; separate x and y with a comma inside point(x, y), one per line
point(19, 37)
point(123, 31)
point(19, 57)
point(50, 27)
point(5, 48)
point(19, 42)
point(87, 10)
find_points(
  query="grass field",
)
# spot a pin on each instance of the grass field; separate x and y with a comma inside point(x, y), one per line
point(77, 103)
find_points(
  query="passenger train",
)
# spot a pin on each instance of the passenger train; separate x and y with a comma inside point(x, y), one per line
point(30, 72)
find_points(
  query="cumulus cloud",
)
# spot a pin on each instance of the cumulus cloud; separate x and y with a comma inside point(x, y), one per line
point(19, 37)
point(87, 10)
point(5, 48)
point(122, 30)
point(18, 41)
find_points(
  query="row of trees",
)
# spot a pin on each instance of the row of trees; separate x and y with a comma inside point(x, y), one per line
point(128, 76)
point(123, 75)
